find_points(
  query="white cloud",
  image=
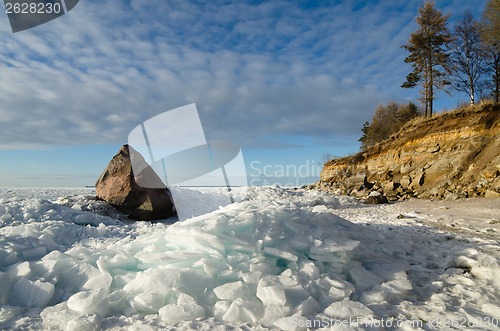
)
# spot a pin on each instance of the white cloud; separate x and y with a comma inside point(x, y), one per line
point(255, 71)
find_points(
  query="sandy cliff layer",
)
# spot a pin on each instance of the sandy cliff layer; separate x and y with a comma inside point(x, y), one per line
point(455, 154)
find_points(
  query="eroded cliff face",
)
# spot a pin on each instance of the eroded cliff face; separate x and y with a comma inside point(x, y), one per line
point(455, 154)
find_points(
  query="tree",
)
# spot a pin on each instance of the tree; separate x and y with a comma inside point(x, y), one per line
point(364, 138)
point(427, 47)
point(406, 113)
point(384, 122)
point(490, 35)
point(387, 120)
point(467, 56)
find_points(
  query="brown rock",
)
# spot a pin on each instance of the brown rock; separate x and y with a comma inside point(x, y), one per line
point(390, 187)
point(405, 182)
point(491, 194)
point(359, 194)
point(406, 167)
point(489, 174)
point(356, 181)
point(495, 185)
point(418, 181)
point(118, 187)
point(376, 198)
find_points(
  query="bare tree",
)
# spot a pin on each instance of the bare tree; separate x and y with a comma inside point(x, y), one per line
point(490, 34)
point(388, 119)
point(467, 56)
point(427, 47)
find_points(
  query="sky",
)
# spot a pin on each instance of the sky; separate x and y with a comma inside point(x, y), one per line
point(289, 81)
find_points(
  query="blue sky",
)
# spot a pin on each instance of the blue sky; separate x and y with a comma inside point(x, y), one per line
point(287, 80)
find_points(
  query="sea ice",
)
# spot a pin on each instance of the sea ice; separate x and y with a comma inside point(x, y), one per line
point(31, 294)
point(347, 308)
point(278, 258)
point(271, 292)
point(89, 302)
point(364, 279)
point(186, 309)
point(231, 291)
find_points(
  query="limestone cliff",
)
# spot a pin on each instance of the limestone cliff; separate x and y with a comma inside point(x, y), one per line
point(454, 154)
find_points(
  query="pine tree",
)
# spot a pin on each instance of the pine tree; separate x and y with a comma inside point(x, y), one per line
point(364, 138)
point(490, 34)
point(427, 47)
point(467, 56)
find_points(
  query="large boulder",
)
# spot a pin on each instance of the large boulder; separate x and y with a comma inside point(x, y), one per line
point(118, 186)
point(376, 198)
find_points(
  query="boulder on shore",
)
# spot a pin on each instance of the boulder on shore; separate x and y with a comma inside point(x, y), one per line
point(118, 186)
point(375, 198)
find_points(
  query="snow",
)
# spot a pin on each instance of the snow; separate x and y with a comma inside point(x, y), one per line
point(277, 258)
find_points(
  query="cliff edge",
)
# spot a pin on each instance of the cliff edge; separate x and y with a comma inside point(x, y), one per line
point(451, 155)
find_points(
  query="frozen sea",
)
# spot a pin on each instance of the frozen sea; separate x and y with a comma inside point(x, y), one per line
point(278, 259)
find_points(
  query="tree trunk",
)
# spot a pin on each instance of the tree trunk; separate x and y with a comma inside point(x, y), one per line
point(426, 102)
point(472, 101)
point(431, 85)
point(497, 78)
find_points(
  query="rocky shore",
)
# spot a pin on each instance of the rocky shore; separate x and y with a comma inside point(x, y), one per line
point(452, 155)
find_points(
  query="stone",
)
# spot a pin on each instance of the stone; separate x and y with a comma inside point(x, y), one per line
point(491, 194)
point(356, 181)
point(406, 167)
point(405, 182)
point(495, 184)
point(435, 149)
point(390, 187)
point(118, 186)
point(359, 194)
point(489, 174)
point(375, 198)
point(418, 181)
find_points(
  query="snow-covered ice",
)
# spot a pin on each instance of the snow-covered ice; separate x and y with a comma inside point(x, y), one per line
point(279, 259)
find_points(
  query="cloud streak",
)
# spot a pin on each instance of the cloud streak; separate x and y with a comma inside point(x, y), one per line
point(257, 72)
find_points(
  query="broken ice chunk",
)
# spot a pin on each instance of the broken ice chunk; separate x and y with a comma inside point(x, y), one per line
point(308, 307)
point(84, 323)
point(337, 245)
point(243, 311)
point(4, 287)
point(89, 302)
point(281, 254)
point(397, 285)
point(309, 269)
point(319, 209)
point(7, 312)
point(295, 295)
point(31, 294)
point(34, 253)
point(373, 297)
point(347, 309)
point(231, 291)
point(270, 291)
point(186, 309)
point(364, 279)
point(220, 308)
point(291, 323)
point(272, 313)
